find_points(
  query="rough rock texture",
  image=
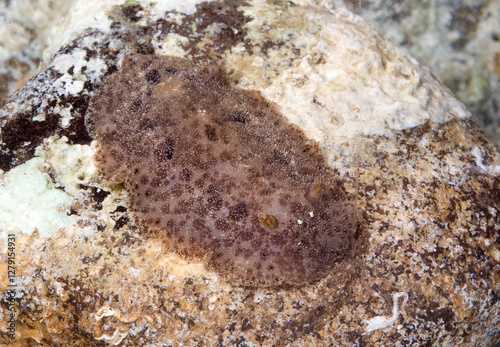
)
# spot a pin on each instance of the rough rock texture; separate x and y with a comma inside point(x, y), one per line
point(24, 28)
point(458, 40)
point(427, 264)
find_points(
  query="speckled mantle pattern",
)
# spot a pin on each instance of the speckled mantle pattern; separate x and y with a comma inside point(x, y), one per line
point(427, 269)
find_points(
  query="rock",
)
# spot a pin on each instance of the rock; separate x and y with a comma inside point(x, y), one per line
point(458, 41)
point(425, 256)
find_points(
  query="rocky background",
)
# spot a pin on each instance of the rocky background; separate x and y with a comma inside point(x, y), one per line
point(458, 40)
point(425, 270)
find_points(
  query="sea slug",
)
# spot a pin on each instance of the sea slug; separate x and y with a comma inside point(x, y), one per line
point(218, 174)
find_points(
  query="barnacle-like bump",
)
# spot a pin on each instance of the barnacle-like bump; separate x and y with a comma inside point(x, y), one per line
point(268, 221)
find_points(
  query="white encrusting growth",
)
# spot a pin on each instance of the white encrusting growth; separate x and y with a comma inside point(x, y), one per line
point(30, 202)
point(352, 82)
point(382, 322)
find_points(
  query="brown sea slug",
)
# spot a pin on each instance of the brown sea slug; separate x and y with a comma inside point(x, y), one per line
point(218, 174)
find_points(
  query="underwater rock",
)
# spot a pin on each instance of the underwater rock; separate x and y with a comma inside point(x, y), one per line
point(362, 136)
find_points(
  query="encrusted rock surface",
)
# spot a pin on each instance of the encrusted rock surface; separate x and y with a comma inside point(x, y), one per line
point(426, 267)
point(458, 40)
